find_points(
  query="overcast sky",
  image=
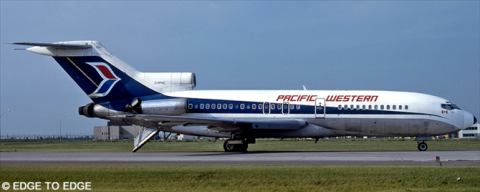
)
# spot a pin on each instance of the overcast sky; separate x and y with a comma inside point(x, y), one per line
point(427, 47)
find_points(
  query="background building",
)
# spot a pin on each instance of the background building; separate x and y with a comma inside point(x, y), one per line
point(115, 131)
point(471, 132)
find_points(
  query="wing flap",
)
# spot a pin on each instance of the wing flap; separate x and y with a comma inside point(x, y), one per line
point(156, 121)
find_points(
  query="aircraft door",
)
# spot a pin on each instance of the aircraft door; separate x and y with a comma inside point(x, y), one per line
point(320, 108)
point(266, 108)
point(286, 108)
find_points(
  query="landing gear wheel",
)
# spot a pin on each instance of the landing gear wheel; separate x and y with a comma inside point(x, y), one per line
point(422, 146)
point(228, 147)
point(234, 148)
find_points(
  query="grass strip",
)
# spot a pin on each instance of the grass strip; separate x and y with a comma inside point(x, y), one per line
point(252, 178)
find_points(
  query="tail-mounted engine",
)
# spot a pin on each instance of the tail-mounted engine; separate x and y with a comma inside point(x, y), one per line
point(92, 110)
point(152, 107)
point(158, 107)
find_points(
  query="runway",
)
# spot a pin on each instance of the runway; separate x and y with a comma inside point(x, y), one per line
point(376, 158)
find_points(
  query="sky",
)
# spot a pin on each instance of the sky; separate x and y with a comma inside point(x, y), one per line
point(430, 47)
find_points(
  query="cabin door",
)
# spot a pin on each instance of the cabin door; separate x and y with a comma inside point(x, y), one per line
point(320, 108)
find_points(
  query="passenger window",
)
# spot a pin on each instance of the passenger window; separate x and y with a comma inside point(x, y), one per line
point(254, 106)
point(230, 106)
point(260, 106)
point(292, 107)
point(242, 106)
point(266, 106)
point(236, 106)
point(273, 106)
point(400, 107)
point(201, 106)
point(376, 107)
point(339, 107)
point(406, 107)
point(358, 107)
point(213, 106)
point(279, 106)
point(364, 107)
point(345, 107)
point(381, 107)
point(352, 107)
point(388, 107)
point(370, 107)
point(224, 106)
point(196, 106)
point(207, 106)
point(190, 106)
point(248, 106)
point(298, 107)
point(219, 106)
point(394, 107)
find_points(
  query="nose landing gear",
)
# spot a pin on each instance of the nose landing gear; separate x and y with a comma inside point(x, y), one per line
point(422, 146)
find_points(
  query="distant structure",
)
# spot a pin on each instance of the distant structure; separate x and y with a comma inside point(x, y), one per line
point(125, 131)
point(471, 132)
point(116, 131)
point(187, 137)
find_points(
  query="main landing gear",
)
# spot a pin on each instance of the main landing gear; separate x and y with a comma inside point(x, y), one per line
point(235, 145)
point(422, 146)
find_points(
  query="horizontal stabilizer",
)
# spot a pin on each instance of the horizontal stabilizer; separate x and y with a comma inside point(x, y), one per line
point(55, 45)
point(141, 139)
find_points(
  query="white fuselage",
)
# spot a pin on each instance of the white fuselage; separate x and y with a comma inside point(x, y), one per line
point(333, 113)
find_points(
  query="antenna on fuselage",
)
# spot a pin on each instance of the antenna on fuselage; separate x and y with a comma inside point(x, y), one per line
point(304, 88)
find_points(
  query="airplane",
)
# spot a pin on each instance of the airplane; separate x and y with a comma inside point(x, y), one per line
point(167, 102)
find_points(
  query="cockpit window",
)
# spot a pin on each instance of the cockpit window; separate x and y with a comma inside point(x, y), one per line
point(449, 106)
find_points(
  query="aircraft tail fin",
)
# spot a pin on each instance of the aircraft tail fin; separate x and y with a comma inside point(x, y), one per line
point(103, 76)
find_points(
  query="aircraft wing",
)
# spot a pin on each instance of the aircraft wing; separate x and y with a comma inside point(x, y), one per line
point(155, 122)
point(223, 125)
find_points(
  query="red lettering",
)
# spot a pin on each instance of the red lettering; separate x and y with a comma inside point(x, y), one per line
point(280, 97)
point(353, 97)
point(360, 98)
point(303, 97)
point(339, 98)
point(331, 98)
point(367, 98)
point(293, 96)
point(312, 97)
point(374, 96)
point(346, 98)
point(287, 97)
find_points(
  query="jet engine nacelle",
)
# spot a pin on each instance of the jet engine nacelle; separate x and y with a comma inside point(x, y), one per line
point(153, 107)
point(164, 107)
point(92, 110)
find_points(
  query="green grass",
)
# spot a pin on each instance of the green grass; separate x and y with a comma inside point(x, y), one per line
point(261, 145)
point(252, 178)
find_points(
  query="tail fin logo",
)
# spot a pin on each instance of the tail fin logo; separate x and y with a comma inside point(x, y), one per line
point(109, 79)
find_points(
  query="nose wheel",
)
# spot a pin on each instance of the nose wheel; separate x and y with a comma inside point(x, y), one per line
point(422, 146)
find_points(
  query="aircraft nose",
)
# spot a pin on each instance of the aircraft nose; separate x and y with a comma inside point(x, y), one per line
point(468, 119)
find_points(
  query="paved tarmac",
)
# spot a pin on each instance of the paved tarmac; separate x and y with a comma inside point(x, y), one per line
point(328, 158)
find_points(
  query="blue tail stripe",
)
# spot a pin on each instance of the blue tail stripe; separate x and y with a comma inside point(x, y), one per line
point(125, 89)
point(106, 86)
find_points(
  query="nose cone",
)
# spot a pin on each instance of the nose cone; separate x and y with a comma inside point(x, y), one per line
point(468, 119)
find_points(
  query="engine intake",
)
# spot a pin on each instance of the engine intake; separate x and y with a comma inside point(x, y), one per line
point(86, 110)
